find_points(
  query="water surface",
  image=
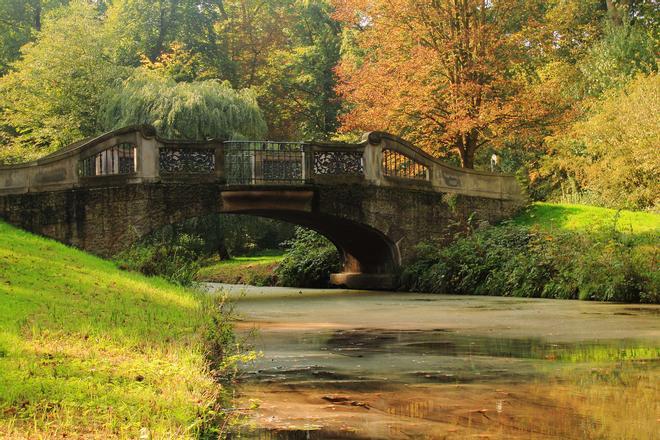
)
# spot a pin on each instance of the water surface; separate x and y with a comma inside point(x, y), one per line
point(347, 364)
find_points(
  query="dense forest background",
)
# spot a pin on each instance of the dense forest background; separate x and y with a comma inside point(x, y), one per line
point(566, 92)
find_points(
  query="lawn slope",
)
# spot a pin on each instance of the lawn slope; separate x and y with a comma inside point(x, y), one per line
point(87, 350)
point(585, 218)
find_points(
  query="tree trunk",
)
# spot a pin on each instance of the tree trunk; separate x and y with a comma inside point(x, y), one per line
point(158, 48)
point(37, 15)
point(615, 10)
point(467, 158)
point(223, 252)
point(467, 145)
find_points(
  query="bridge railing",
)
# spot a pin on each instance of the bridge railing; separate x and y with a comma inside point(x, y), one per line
point(136, 154)
point(414, 167)
point(263, 162)
point(185, 161)
point(332, 163)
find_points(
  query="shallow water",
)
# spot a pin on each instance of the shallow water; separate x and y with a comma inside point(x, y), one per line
point(346, 364)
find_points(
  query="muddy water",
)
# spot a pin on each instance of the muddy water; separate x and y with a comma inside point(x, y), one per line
point(340, 364)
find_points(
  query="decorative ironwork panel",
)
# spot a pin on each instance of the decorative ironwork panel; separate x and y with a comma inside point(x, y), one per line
point(250, 163)
point(338, 163)
point(282, 169)
point(396, 164)
point(187, 160)
point(116, 160)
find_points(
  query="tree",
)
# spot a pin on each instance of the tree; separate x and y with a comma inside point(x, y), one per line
point(196, 110)
point(20, 21)
point(623, 52)
point(613, 153)
point(447, 74)
point(645, 12)
point(52, 95)
point(297, 84)
point(251, 29)
point(149, 28)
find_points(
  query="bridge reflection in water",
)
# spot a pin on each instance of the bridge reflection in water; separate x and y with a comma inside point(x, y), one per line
point(374, 200)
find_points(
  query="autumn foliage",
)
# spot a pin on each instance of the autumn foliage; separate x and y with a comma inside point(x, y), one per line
point(443, 74)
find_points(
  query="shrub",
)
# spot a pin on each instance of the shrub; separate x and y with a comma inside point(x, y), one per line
point(176, 260)
point(309, 260)
point(611, 157)
point(514, 260)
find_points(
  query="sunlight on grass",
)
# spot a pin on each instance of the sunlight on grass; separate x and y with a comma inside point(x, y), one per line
point(88, 349)
point(583, 217)
point(255, 270)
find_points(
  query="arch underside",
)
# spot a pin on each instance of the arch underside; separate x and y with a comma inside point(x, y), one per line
point(364, 249)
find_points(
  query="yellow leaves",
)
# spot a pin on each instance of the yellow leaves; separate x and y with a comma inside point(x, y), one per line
point(614, 151)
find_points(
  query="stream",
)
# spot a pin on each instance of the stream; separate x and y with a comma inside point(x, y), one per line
point(378, 365)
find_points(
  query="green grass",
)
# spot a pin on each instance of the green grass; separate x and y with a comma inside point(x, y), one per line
point(254, 270)
point(87, 350)
point(584, 218)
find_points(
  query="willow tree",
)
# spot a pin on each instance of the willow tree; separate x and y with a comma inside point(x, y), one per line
point(186, 110)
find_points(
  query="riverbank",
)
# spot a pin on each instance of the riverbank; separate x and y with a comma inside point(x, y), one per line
point(255, 270)
point(548, 251)
point(90, 351)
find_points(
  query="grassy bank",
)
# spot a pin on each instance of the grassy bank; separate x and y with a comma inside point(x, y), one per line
point(87, 350)
point(550, 251)
point(566, 217)
point(256, 270)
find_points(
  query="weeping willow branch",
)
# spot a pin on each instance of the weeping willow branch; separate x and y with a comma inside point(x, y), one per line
point(197, 110)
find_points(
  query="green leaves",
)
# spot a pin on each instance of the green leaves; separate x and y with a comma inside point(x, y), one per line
point(309, 261)
point(52, 96)
point(613, 153)
point(196, 110)
point(524, 261)
point(624, 52)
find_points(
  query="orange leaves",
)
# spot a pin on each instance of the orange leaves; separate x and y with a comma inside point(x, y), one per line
point(436, 71)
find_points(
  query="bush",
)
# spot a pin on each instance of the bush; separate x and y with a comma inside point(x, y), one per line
point(523, 261)
point(176, 259)
point(309, 261)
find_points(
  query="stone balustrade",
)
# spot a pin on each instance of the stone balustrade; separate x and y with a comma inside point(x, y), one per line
point(137, 155)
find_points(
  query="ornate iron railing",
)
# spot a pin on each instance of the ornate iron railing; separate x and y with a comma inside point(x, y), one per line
point(338, 163)
point(249, 163)
point(186, 160)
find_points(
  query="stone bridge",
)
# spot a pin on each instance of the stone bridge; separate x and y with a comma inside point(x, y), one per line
point(374, 200)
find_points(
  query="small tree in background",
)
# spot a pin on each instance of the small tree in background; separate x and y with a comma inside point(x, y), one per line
point(613, 153)
point(624, 51)
point(309, 261)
